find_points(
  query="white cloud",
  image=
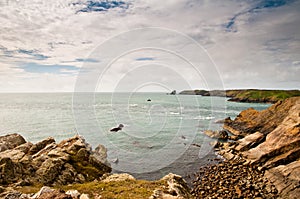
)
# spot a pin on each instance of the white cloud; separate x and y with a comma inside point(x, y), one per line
point(261, 53)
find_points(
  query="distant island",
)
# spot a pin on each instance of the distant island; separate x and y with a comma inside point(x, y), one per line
point(247, 95)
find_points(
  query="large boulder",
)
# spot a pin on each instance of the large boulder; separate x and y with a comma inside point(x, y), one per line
point(176, 188)
point(49, 163)
point(249, 141)
point(10, 141)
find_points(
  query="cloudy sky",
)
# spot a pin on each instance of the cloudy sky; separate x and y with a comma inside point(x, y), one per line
point(50, 46)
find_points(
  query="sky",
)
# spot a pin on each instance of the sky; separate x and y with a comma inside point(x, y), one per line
point(148, 45)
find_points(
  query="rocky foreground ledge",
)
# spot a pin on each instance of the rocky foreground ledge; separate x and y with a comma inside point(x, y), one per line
point(72, 170)
point(267, 152)
point(49, 163)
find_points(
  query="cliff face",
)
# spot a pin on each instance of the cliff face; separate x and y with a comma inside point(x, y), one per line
point(271, 140)
point(249, 121)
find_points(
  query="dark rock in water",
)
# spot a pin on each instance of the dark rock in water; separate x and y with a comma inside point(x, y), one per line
point(148, 100)
point(196, 145)
point(119, 128)
point(173, 92)
point(223, 135)
point(48, 163)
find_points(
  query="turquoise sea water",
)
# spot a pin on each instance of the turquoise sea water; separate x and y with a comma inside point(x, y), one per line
point(158, 137)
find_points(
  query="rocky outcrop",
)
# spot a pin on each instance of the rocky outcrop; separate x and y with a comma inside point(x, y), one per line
point(49, 163)
point(250, 121)
point(271, 141)
point(176, 188)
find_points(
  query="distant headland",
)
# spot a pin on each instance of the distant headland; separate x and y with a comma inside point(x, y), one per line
point(247, 95)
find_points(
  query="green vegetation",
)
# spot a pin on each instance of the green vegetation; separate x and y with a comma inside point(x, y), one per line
point(134, 189)
point(29, 189)
point(248, 95)
point(254, 95)
point(122, 189)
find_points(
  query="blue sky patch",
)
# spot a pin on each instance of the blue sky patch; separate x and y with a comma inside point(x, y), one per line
point(262, 4)
point(272, 3)
point(145, 59)
point(54, 69)
point(101, 6)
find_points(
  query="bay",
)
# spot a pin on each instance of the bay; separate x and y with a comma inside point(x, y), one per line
point(162, 132)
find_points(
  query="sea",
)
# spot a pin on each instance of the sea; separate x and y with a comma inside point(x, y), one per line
point(162, 133)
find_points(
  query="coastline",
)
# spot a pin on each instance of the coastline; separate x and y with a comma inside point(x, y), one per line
point(247, 95)
point(262, 163)
point(269, 144)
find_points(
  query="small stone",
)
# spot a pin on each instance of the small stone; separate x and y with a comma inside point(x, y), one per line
point(74, 193)
point(84, 196)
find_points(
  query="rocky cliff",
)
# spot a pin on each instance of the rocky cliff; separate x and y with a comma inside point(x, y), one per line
point(49, 163)
point(271, 140)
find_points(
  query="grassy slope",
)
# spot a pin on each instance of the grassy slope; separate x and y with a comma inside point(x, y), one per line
point(134, 189)
point(254, 95)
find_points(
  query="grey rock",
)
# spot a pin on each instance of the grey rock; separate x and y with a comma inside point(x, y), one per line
point(10, 141)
